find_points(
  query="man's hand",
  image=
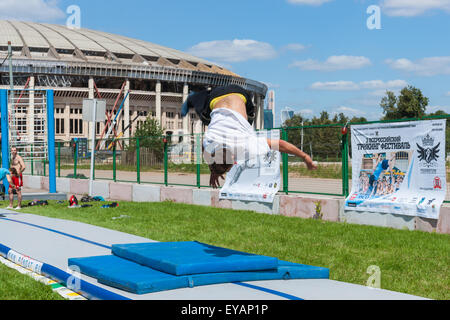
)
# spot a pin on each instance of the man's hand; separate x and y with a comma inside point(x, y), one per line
point(214, 180)
point(312, 165)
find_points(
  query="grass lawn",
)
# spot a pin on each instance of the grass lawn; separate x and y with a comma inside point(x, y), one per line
point(411, 262)
point(17, 286)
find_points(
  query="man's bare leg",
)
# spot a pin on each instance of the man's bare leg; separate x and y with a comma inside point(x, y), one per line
point(19, 198)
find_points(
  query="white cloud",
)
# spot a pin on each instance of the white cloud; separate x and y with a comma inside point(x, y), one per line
point(411, 8)
point(236, 50)
point(31, 10)
point(448, 94)
point(347, 110)
point(333, 63)
point(309, 2)
point(430, 66)
point(294, 47)
point(379, 85)
point(335, 86)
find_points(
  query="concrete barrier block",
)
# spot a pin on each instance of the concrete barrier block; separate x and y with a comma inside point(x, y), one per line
point(379, 219)
point(261, 207)
point(79, 186)
point(146, 193)
point(329, 209)
point(121, 191)
point(218, 203)
point(201, 197)
point(400, 221)
point(443, 225)
point(177, 194)
point(425, 224)
point(296, 206)
point(32, 182)
point(101, 189)
point(63, 185)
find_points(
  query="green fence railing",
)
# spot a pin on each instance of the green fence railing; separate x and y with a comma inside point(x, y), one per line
point(177, 160)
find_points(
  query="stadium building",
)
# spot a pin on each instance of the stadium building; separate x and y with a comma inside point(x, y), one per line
point(146, 78)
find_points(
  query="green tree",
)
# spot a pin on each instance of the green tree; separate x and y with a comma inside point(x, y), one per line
point(150, 135)
point(411, 103)
point(322, 141)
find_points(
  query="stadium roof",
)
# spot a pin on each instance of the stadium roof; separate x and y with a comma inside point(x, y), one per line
point(43, 41)
point(48, 49)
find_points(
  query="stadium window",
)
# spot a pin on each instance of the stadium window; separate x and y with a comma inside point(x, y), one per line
point(22, 125)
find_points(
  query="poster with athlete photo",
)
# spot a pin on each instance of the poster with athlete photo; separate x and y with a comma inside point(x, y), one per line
point(256, 178)
point(398, 168)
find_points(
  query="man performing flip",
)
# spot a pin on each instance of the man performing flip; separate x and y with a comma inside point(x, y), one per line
point(229, 113)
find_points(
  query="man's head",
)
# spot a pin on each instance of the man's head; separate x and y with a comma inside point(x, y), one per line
point(13, 151)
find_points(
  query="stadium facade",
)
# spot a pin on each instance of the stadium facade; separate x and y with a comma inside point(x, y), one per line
point(150, 80)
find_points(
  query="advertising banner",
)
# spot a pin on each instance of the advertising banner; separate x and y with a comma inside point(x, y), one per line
point(398, 168)
point(256, 178)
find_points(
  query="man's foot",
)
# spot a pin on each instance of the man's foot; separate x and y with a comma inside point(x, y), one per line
point(8, 208)
point(18, 208)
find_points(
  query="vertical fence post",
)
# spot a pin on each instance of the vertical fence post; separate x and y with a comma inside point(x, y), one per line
point(199, 158)
point(345, 187)
point(5, 133)
point(32, 161)
point(51, 142)
point(59, 159)
point(138, 160)
point(93, 150)
point(285, 158)
point(166, 180)
point(75, 160)
point(114, 162)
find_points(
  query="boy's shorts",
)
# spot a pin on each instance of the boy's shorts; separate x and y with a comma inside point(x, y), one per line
point(18, 182)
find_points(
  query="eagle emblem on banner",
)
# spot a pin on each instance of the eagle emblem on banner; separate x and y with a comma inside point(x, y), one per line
point(427, 153)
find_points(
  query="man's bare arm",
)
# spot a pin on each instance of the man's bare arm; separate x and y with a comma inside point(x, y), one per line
point(289, 148)
point(22, 165)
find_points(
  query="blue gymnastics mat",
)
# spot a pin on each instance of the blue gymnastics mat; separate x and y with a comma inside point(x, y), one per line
point(132, 277)
point(191, 257)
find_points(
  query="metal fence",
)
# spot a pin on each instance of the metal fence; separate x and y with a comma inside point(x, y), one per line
point(177, 160)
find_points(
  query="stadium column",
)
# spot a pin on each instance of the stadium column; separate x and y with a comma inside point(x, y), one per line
point(126, 110)
point(67, 122)
point(30, 111)
point(158, 103)
point(186, 119)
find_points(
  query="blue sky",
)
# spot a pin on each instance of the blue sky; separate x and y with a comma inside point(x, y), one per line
point(316, 54)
